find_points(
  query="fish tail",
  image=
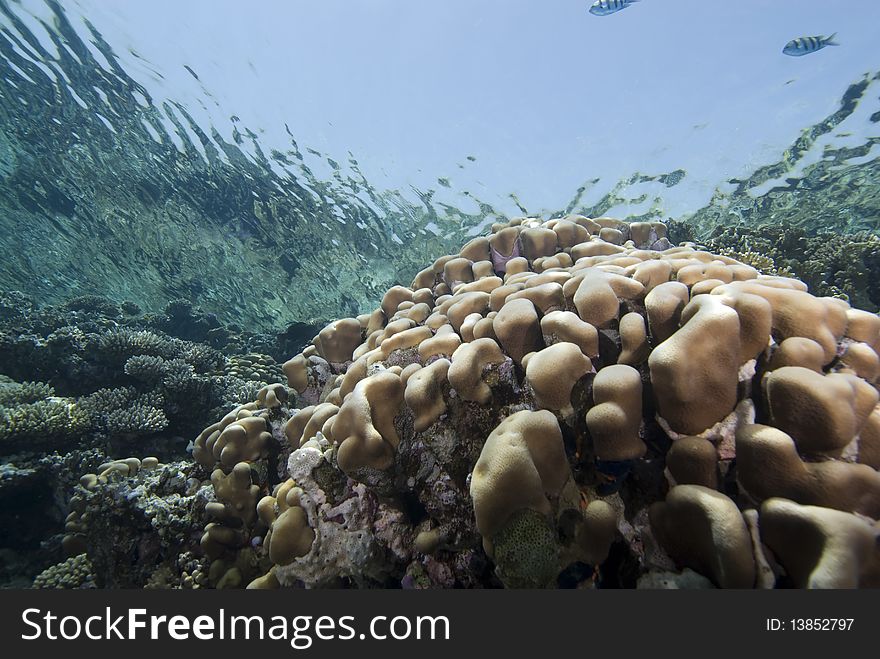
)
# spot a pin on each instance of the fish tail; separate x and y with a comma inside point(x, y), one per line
point(829, 41)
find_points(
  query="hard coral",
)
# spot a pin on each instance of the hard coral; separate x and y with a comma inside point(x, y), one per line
point(456, 435)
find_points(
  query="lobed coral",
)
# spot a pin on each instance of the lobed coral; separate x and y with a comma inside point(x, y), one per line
point(568, 402)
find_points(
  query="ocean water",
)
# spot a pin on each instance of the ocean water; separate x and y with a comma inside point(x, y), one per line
point(201, 187)
point(250, 187)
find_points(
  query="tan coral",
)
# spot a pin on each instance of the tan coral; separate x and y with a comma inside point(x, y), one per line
point(559, 326)
point(704, 530)
point(538, 242)
point(522, 466)
point(861, 359)
point(483, 270)
point(569, 234)
point(291, 536)
point(483, 285)
point(863, 326)
point(236, 491)
point(821, 547)
point(616, 416)
point(651, 274)
point(306, 423)
point(663, 306)
point(822, 413)
point(272, 396)
point(245, 440)
point(458, 270)
point(591, 226)
point(356, 372)
point(204, 443)
point(595, 295)
point(755, 322)
point(518, 329)
point(505, 244)
point(553, 372)
point(693, 461)
point(337, 341)
point(611, 235)
point(705, 286)
point(499, 295)
point(364, 425)
point(768, 465)
point(516, 266)
point(424, 393)
point(409, 338)
point(419, 313)
point(695, 371)
point(797, 313)
point(476, 249)
point(633, 339)
point(645, 234)
point(443, 344)
point(296, 370)
point(546, 297)
point(393, 297)
point(869, 440)
point(597, 533)
point(463, 305)
point(691, 274)
point(469, 363)
point(467, 327)
point(594, 248)
point(798, 351)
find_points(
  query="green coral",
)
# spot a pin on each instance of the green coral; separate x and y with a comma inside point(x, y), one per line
point(146, 368)
point(202, 357)
point(123, 411)
point(43, 421)
point(831, 264)
point(14, 393)
point(180, 377)
point(254, 366)
point(175, 375)
point(125, 342)
point(137, 419)
point(74, 573)
point(526, 551)
point(94, 304)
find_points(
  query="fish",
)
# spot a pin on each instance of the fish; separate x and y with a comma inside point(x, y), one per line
point(806, 45)
point(605, 7)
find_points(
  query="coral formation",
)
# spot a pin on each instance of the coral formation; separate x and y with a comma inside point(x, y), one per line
point(831, 263)
point(568, 402)
point(91, 378)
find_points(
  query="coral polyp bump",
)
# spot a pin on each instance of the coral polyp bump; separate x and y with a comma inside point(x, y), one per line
point(564, 402)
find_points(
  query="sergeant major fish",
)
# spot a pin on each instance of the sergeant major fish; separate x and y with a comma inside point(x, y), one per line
point(806, 45)
point(605, 7)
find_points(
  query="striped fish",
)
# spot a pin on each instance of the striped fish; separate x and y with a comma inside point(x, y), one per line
point(807, 45)
point(605, 7)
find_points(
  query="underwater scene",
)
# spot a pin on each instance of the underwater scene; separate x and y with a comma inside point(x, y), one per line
point(495, 294)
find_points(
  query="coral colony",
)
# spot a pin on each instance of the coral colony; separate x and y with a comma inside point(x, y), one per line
point(573, 402)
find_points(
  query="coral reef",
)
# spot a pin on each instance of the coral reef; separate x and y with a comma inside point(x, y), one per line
point(845, 265)
point(96, 378)
point(566, 403)
point(153, 512)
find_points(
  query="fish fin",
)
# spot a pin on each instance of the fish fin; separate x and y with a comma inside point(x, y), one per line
point(829, 41)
